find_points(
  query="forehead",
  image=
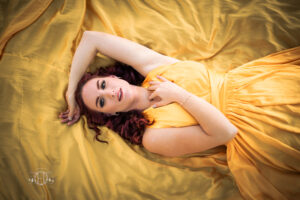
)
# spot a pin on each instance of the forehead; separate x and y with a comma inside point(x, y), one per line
point(88, 93)
point(94, 80)
point(90, 84)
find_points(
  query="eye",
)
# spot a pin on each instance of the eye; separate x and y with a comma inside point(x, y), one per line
point(103, 84)
point(101, 102)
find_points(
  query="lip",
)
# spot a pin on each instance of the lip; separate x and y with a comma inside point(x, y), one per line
point(121, 94)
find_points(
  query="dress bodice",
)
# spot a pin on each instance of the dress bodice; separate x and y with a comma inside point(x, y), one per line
point(193, 77)
point(261, 98)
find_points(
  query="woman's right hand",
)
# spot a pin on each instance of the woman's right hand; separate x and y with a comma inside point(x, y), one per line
point(72, 114)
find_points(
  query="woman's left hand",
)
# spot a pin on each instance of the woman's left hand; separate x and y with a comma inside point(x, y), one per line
point(166, 90)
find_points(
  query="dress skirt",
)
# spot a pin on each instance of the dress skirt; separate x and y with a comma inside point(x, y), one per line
point(262, 99)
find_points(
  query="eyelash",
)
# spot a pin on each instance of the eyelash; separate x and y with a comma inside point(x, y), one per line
point(103, 84)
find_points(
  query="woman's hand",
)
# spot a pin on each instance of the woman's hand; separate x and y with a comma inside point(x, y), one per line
point(72, 115)
point(167, 91)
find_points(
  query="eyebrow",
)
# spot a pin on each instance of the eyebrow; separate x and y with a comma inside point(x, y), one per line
point(98, 84)
point(97, 99)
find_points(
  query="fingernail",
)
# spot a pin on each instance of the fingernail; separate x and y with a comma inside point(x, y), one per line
point(154, 106)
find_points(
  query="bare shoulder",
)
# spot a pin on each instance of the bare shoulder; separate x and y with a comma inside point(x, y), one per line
point(178, 141)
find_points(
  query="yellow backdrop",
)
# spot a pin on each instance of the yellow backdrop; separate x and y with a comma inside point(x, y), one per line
point(37, 42)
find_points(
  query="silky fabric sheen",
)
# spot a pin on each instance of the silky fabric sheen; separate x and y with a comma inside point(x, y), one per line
point(262, 99)
point(38, 39)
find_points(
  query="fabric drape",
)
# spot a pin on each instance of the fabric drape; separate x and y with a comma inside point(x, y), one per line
point(37, 42)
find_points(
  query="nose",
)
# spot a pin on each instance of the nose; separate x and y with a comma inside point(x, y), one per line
point(109, 93)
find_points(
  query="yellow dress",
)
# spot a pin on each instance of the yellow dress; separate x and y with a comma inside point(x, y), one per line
point(262, 99)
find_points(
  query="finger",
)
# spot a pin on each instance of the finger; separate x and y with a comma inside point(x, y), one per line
point(70, 118)
point(64, 120)
point(159, 104)
point(77, 114)
point(154, 82)
point(162, 78)
point(153, 87)
point(63, 115)
point(75, 119)
point(66, 112)
point(71, 114)
point(153, 95)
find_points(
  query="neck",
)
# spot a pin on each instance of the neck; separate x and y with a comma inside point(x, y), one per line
point(142, 101)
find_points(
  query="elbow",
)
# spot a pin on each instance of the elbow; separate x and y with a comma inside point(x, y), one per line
point(153, 145)
point(234, 130)
point(87, 37)
point(93, 34)
point(232, 133)
point(148, 143)
point(88, 33)
point(91, 39)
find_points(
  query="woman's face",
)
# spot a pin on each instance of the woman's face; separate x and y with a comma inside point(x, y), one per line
point(108, 94)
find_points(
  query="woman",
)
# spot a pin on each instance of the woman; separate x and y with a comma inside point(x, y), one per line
point(253, 109)
point(120, 96)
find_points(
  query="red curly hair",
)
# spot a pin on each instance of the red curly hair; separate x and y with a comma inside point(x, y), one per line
point(129, 125)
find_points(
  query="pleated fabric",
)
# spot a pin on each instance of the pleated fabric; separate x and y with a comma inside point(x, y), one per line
point(263, 102)
point(262, 99)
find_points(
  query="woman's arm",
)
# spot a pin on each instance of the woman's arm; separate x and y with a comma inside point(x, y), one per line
point(213, 121)
point(139, 57)
point(217, 129)
point(83, 56)
point(214, 129)
point(209, 117)
point(131, 53)
point(179, 141)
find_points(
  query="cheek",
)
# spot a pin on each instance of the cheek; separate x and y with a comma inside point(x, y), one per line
point(110, 106)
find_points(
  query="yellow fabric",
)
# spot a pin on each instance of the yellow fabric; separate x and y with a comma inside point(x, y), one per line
point(18, 15)
point(196, 79)
point(38, 40)
point(190, 75)
point(262, 99)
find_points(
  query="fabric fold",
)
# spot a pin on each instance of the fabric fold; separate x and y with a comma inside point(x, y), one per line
point(18, 16)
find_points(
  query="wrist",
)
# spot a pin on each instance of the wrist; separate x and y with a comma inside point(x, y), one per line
point(71, 90)
point(183, 97)
point(70, 94)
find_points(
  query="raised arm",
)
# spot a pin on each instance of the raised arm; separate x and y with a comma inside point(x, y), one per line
point(138, 56)
point(131, 53)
